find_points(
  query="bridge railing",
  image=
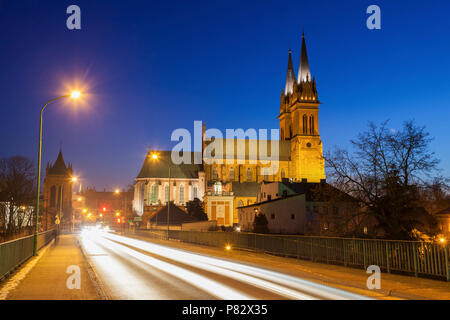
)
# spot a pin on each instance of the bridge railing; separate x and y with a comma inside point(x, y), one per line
point(407, 257)
point(15, 252)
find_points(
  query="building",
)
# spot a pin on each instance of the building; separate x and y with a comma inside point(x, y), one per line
point(151, 189)
point(286, 215)
point(230, 170)
point(176, 215)
point(57, 201)
point(306, 208)
point(105, 205)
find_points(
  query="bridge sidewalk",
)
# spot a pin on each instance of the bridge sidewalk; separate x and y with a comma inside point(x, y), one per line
point(44, 277)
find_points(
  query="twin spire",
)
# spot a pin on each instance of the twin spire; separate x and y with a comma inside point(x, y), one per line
point(304, 74)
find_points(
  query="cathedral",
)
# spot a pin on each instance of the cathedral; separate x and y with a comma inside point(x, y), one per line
point(225, 184)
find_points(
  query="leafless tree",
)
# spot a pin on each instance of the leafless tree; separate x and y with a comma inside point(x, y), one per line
point(17, 192)
point(385, 174)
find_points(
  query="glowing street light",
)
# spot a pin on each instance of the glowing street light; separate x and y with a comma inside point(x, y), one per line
point(84, 210)
point(73, 95)
point(117, 214)
point(442, 240)
point(117, 191)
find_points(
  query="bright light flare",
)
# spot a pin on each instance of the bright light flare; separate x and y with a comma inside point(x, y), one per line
point(228, 247)
point(75, 94)
point(442, 240)
point(154, 156)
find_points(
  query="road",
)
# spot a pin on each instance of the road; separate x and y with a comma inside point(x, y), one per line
point(129, 268)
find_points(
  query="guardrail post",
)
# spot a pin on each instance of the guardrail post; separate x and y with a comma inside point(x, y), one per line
point(364, 253)
point(345, 252)
point(415, 259)
point(446, 263)
point(387, 257)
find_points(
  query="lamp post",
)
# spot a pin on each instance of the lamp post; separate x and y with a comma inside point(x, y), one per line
point(155, 157)
point(74, 95)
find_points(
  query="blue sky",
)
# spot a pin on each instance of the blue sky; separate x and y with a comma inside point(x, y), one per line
point(152, 67)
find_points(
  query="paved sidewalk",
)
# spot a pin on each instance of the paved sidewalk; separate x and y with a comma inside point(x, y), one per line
point(44, 277)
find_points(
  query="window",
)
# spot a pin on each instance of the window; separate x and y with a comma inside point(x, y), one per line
point(269, 197)
point(195, 192)
point(311, 124)
point(305, 124)
point(154, 192)
point(166, 193)
point(52, 197)
point(218, 188)
point(266, 174)
point(231, 173)
point(214, 174)
point(249, 174)
point(292, 216)
point(272, 216)
point(240, 203)
point(283, 174)
point(182, 193)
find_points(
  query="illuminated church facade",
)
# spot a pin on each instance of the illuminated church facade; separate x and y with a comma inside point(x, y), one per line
point(225, 184)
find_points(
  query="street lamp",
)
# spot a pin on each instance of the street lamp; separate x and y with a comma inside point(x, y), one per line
point(73, 95)
point(155, 157)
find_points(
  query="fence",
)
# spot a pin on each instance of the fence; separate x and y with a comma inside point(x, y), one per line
point(15, 252)
point(406, 257)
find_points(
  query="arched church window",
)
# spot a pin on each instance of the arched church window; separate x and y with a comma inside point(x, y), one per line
point(195, 192)
point(182, 193)
point(154, 192)
point(311, 124)
point(305, 124)
point(249, 174)
point(166, 193)
point(214, 174)
point(266, 174)
point(52, 197)
point(231, 173)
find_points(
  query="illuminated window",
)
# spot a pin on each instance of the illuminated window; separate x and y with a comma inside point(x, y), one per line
point(218, 188)
point(249, 174)
point(266, 174)
point(195, 192)
point(305, 124)
point(214, 174)
point(283, 174)
point(166, 193)
point(154, 192)
point(232, 173)
point(181, 193)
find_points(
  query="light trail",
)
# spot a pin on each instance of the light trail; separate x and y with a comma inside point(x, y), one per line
point(212, 287)
point(270, 281)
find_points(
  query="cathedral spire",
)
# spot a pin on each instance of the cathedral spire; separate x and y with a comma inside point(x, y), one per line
point(290, 77)
point(304, 73)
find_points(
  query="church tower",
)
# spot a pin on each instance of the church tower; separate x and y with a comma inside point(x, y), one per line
point(57, 193)
point(299, 121)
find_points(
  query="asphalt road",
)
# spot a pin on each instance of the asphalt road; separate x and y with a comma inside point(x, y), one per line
point(134, 269)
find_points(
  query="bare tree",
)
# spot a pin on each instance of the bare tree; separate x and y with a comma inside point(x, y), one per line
point(17, 192)
point(385, 174)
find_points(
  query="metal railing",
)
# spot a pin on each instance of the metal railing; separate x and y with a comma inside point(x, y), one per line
point(406, 257)
point(15, 252)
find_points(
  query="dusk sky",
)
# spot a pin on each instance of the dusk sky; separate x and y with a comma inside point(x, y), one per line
point(148, 68)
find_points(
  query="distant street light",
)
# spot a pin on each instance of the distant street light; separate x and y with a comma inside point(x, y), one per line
point(73, 95)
